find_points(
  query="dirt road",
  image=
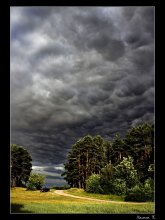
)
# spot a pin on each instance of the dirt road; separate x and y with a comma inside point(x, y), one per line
point(62, 193)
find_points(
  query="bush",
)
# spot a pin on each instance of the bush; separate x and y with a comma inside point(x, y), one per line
point(136, 197)
point(149, 189)
point(106, 179)
point(36, 181)
point(45, 189)
point(140, 197)
point(126, 171)
point(149, 185)
point(93, 184)
point(119, 187)
point(150, 196)
point(60, 187)
point(141, 193)
point(107, 188)
point(30, 186)
point(136, 189)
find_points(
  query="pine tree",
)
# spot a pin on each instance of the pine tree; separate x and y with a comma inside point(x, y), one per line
point(87, 156)
point(140, 142)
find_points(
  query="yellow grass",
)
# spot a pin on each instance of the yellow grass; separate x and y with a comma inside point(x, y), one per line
point(23, 201)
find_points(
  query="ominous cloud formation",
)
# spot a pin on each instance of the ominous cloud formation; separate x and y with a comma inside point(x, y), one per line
point(78, 71)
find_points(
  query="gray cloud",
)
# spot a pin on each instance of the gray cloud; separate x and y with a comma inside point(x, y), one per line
point(78, 71)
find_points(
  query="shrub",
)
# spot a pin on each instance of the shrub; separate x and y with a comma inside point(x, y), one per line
point(136, 189)
point(140, 193)
point(93, 184)
point(30, 186)
point(150, 196)
point(149, 189)
point(126, 171)
point(136, 197)
point(140, 197)
point(107, 188)
point(149, 185)
point(45, 189)
point(119, 187)
point(60, 187)
point(36, 181)
point(106, 179)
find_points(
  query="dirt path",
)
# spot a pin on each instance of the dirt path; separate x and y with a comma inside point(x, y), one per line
point(62, 193)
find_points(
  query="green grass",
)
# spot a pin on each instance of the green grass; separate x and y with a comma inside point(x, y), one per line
point(23, 201)
point(81, 192)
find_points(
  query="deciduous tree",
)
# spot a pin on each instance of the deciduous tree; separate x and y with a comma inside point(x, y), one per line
point(20, 165)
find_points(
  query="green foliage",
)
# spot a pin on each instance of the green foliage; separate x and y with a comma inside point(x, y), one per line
point(136, 197)
point(60, 187)
point(122, 163)
point(119, 187)
point(140, 197)
point(107, 172)
point(146, 187)
point(20, 165)
point(36, 181)
point(139, 141)
point(136, 189)
point(149, 189)
point(93, 184)
point(149, 185)
point(106, 178)
point(141, 192)
point(31, 186)
point(126, 171)
point(109, 151)
point(151, 170)
point(118, 150)
point(86, 157)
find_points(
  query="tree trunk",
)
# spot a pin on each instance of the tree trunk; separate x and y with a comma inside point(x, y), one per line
point(13, 182)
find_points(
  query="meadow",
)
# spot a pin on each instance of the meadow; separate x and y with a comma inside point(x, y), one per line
point(23, 201)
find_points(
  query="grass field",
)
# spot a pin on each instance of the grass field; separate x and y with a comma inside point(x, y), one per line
point(81, 192)
point(23, 201)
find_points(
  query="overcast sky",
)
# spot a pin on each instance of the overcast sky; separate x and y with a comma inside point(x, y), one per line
point(76, 71)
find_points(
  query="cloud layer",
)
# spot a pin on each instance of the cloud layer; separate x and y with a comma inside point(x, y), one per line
point(78, 71)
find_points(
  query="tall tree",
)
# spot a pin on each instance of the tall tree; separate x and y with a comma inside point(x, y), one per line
point(118, 149)
point(140, 142)
point(20, 165)
point(99, 153)
point(109, 152)
point(86, 157)
point(90, 154)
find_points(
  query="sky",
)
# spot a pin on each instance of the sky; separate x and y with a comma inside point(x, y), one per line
point(76, 71)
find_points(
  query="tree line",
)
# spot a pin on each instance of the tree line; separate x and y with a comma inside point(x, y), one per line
point(98, 165)
point(93, 155)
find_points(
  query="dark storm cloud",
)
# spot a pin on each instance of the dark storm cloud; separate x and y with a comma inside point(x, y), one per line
point(78, 71)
